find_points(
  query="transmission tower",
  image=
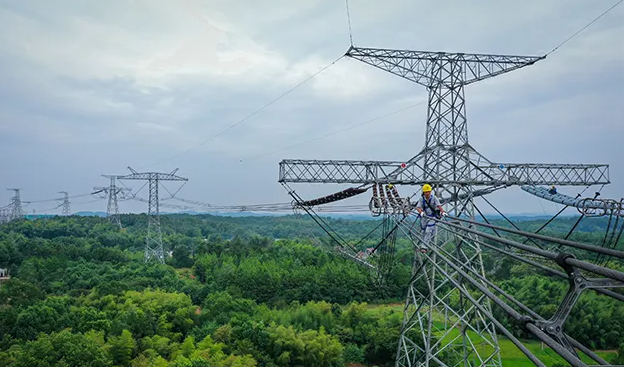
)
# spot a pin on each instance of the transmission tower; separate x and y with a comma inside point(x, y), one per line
point(434, 308)
point(5, 214)
point(153, 241)
point(65, 204)
point(113, 192)
point(16, 206)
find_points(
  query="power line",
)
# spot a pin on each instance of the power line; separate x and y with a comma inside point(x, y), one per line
point(56, 199)
point(582, 29)
point(322, 70)
point(350, 127)
point(349, 22)
point(253, 113)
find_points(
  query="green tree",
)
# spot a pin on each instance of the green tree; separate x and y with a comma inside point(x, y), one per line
point(62, 349)
point(122, 348)
point(619, 358)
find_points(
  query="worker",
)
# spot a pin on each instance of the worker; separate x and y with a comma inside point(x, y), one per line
point(428, 207)
point(553, 190)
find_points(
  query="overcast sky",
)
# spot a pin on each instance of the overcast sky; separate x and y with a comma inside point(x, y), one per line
point(91, 87)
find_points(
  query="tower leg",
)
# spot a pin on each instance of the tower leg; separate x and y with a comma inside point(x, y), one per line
point(153, 241)
point(440, 328)
point(112, 210)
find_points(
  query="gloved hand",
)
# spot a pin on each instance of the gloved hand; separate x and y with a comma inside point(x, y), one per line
point(445, 214)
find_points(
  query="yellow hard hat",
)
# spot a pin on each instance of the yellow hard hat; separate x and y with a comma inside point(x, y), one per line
point(390, 186)
point(426, 188)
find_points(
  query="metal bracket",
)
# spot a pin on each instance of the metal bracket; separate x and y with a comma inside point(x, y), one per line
point(578, 283)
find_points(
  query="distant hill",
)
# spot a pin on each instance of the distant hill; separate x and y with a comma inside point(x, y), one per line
point(364, 216)
point(90, 214)
point(348, 216)
point(352, 216)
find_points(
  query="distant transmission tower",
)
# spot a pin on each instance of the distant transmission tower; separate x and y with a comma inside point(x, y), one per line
point(66, 207)
point(113, 192)
point(16, 206)
point(153, 241)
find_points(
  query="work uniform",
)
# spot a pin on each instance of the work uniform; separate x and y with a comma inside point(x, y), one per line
point(428, 225)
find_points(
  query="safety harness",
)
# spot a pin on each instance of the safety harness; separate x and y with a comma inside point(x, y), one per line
point(435, 212)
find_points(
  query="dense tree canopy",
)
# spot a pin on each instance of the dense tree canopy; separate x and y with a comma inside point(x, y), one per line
point(249, 291)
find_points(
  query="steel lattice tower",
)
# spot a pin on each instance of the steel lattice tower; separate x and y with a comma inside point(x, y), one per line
point(16, 206)
point(5, 214)
point(113, 192)
point(434, 309)
point(153, 241)
point(66, 203)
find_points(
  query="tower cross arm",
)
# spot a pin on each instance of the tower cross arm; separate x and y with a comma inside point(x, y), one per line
point(152, 176)
point(545, 173)
point(338, 171)
point(412, 173)
point(430, 67)
point(98, 189)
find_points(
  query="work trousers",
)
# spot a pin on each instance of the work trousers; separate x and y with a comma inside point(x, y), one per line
point(428, 230)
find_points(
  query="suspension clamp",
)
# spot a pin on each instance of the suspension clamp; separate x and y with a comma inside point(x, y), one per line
point(561, 261)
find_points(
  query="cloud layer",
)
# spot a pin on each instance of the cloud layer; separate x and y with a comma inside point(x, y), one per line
point(88, 88)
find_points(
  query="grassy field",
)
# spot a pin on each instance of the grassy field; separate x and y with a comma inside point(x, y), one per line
point(510, 354)
point(513, 357)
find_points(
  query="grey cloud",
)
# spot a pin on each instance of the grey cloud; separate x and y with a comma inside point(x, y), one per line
point(82, 125)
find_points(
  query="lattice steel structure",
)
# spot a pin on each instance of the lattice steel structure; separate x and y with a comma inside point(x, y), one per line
point(113, 192)
point(16, 206)
point(153, 241)
point(5, 214)
point(580, 276)
point(456, 170)
point(66, 203)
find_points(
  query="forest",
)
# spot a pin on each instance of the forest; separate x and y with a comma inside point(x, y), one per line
point(242, 291)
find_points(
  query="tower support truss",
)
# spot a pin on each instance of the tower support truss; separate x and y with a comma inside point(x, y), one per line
point(5, 214)
point(435, 308)
point(153, 242)
point(66, 204)
point(16, 206)
point(113, 193)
